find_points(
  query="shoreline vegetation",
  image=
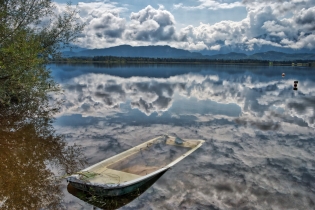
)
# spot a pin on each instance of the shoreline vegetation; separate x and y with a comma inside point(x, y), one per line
point(26, 45)
point(145, 60)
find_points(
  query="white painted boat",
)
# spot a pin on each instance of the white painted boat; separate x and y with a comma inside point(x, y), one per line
point(129, 170)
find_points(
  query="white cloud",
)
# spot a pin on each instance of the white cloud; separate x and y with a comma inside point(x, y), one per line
point(265, 25)
point(151, 24)
point(210, 4)
point(215, 47)
point(286, 24)
point(103, 23)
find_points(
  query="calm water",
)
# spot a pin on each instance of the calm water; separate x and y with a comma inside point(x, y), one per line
point(260, 145)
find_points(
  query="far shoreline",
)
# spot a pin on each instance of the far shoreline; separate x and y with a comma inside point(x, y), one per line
point(212, 62)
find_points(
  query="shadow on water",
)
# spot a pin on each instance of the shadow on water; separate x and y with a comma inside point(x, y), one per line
point(32, 156)
point(109, 203)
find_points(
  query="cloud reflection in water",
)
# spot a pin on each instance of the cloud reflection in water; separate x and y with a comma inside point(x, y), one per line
point(259, 134)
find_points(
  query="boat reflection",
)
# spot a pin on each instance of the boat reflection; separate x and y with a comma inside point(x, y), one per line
point(109, 203)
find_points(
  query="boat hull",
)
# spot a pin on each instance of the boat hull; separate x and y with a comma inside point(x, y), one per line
point(115, 191)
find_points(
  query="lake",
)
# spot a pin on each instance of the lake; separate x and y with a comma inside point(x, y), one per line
point(259, 150)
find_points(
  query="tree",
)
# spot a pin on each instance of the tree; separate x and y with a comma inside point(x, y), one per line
point(30, 34)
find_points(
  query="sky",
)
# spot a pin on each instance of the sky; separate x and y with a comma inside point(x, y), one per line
point(244, 25)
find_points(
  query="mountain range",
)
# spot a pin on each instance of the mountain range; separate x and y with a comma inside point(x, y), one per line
point(170, 52)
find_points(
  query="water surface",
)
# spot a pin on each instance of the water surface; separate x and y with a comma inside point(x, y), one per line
point(259, 132)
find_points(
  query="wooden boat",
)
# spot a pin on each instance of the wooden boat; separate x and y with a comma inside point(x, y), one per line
point(129, 170)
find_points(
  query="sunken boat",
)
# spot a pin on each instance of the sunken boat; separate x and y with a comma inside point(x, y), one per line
point(128, 171)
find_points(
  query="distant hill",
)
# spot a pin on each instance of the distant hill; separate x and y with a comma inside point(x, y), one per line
point(229, 56)
point(270, 56)
point(170, 52)
point(142, 51)
point(278, 56)
point(238, 48)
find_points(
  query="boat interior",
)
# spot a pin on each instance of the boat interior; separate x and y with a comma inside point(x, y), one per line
point(140, 160)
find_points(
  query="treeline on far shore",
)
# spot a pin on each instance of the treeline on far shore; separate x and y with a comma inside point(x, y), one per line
point(126, 60)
